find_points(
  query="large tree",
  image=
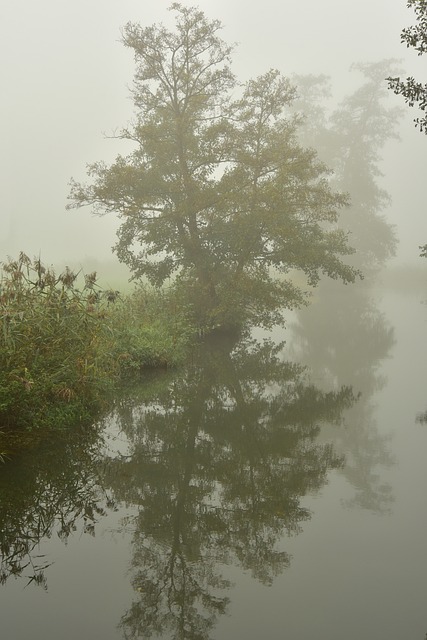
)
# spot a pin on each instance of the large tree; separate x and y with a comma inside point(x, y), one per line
point(217, 192)
point(415, 93)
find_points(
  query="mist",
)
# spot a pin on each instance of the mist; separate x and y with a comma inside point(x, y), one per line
point(65, 90)
point(237, 450)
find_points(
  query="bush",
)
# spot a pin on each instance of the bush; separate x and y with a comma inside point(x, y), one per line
point(62, 348)
point(148, 330)
point(49, 333)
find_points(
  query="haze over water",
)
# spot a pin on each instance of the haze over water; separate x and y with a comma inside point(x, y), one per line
point(273, 487)
point(290, 507)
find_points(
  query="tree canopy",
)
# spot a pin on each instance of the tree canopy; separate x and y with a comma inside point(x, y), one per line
point(415, 93)
point(218, 193)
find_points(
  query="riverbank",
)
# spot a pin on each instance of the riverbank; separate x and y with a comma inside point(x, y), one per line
point(65, 344)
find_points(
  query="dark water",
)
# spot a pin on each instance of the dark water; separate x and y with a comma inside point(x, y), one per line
point(246, 497)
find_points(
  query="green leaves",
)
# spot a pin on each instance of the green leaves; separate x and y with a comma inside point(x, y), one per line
point(217, 191)
point(63, 345)
point(415, 93)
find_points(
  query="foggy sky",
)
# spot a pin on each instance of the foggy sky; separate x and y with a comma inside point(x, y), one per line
point(65, 75)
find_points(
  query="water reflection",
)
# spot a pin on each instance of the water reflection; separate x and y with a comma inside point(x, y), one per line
point(209, 467)
point(218, 462)
point(55, 489)
point(212, 470)
point(346, 342)
point(422, 417)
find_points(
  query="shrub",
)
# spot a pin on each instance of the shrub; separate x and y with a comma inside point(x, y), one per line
point(49, 333)
point(63, 346)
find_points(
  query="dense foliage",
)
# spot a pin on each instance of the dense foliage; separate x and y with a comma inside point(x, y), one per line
point(62, 346)
point(414, 92)
point(218, 193)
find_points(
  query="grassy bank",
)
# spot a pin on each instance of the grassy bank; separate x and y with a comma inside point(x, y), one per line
point(64, 346)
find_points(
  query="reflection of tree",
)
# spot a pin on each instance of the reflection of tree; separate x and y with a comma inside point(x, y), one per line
point(219, 460)
point(345, 343)
point(54, 488)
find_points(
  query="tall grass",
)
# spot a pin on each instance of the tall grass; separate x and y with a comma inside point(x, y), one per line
point(63, 346)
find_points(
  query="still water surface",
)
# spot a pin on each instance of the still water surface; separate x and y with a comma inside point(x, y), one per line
point(247, 497)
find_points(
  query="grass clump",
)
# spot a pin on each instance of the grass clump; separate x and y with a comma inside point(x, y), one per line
point(147, 330)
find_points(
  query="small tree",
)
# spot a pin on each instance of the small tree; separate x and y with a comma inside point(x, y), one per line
point(217, 193)
point(415, 93)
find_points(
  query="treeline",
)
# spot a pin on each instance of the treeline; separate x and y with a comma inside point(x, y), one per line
point(65, 344)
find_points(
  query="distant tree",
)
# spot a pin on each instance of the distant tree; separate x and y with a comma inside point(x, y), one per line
point(415, 93)
point(361, 126)
point(350, 140)
point(218, 192)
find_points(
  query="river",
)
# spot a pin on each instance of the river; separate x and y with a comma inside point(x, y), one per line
point(270, 490)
